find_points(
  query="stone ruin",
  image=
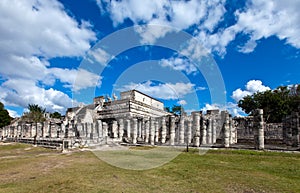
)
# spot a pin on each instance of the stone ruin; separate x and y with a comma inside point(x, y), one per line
point(137, 118)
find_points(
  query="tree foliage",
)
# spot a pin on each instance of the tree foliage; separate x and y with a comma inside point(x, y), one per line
point(55, 115)
point(275, 103)
point(176, 109)
point(35, 114)
point(5, 119)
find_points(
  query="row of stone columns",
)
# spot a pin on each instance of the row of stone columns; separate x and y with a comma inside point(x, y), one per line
point(195, 130)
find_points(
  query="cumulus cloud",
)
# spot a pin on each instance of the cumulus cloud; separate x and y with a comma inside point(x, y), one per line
point(177, 14)
point(257, 20)
point(163, 91)
point(13, 113)
point(20, 92)
point(99, 55)
point(182, 102)
point(32, 32)
point(252, 87)
point(76, 79)
point(28, 27)
point(232, 108)
point(181, 64)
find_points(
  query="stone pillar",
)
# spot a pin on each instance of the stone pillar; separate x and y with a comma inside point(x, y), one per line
point(114, 129)
point(226, 131)
point(143, 129)
point(128, 130)
point(152, 131)
point(156, 132)
point(100, 129)
point(196, 128)
point(259, 129)
point(181, 130)
point(189, 131)
point(104, 129)
point(214, 130)
point(172, 130)
point(139, 128)
point(231, 129)
point(134, 130)
point(163, 130)
point(204, 133)
point(295, 129)
point(147, 130)
point(121, 128)
point(89, 130)
point(209, 131)
point(94, 132)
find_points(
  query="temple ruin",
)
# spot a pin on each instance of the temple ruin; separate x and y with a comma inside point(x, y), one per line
point(137, 118)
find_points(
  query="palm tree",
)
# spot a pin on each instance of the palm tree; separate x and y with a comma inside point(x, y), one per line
point(36, 115)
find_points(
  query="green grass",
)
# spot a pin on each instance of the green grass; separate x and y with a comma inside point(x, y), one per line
point(45, 170)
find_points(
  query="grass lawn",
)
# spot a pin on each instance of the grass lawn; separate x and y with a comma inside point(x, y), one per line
point(24, 168)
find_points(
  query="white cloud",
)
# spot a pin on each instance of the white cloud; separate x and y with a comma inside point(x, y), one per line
point(252, 87)
point(100, 55)
point(232, 108)
point(20, 92)
point(32, 32)
point(182, 102)
point(41, 28)
point(13, 113)
point(262, 19)
point(180, 64)
point(162, 91)
point(258, 19)
point(76, 79)
point(177, 14)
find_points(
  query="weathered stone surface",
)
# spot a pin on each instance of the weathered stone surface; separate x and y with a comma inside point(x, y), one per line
point(172, 130)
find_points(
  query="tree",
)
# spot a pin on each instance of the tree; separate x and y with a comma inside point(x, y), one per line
point(177, 109)
point(5, 119)
point(35, 115)
point(276, 104)
point(55, 115)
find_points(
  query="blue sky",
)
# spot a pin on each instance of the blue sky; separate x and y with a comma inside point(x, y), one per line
point(61, 53)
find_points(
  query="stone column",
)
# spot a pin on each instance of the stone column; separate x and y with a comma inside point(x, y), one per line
point(259, 129)
point(295, 129)
point(139, 128)
point(163, 130)
point(93, 134)
point(147, 130)
point(104, 131)
point(89, 130)
point(143, 129)
point(114, 129)
point(226, 131)
point(100, 129)
point(156, 132)
point(134, 130)
point(214, 130)
point(121, 128)
point(181, 130)
point(152, 131)
point(209, 131)
point(204, 133)
point(172, 130)
point(231, 129)
point(128, 126)
point(189, 131)
point(196, 127)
